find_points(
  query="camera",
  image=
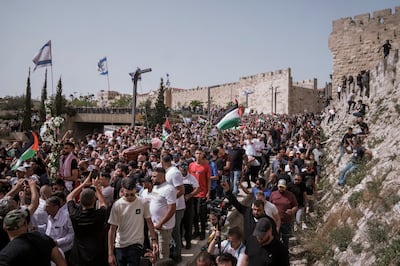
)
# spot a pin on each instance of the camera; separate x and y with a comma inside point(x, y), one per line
point(218, 206)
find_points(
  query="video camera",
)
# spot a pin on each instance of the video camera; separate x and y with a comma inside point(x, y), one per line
point(218, 206)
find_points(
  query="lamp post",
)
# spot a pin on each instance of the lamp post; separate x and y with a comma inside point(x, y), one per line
point(276, 92)
point(135, 76)
point(246, 92)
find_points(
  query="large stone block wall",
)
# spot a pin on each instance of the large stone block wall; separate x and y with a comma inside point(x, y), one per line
point(355, 42)
point(272, 92)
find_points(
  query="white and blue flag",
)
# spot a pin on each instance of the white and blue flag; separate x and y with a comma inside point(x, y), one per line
point(102, 66)
point(43, 57)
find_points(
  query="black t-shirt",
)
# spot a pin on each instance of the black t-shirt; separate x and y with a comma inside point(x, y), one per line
point(28, 249)
point(274, 253)
point(298, 190)
point(89, 247)
point(236, 158)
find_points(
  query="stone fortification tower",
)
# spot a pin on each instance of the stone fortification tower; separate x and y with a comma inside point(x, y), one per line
point(355, 42)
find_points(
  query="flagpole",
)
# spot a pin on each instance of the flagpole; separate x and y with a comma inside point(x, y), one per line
point(108, 81)
point(52, 83)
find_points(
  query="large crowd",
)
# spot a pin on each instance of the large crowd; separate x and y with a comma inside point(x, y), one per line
point(103, 209)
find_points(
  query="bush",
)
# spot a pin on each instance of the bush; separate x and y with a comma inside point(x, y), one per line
point(341, 237)
point(355, 198)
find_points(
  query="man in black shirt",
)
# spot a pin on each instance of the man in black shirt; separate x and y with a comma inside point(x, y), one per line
point(89, 223)
point(26, 248)
point(268, 250)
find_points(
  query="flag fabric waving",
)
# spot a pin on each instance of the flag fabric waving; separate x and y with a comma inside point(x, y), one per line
point(29, 153)
point(102, 66)
point(43, 57)
point(167, 125)
point(166, 130)
point(230, 119)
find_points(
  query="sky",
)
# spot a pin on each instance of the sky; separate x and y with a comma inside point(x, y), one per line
point(198, 43)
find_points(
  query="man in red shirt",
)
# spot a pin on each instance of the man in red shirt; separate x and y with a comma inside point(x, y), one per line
point(201, 171)
point(287, 205)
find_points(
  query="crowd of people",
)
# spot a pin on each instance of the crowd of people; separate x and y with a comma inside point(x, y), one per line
point(103, 209)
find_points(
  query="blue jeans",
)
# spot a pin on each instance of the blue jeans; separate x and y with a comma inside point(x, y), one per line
point(348, 168)
point(235, 176)
point(129, 256)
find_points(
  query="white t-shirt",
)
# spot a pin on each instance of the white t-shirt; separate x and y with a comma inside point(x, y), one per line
point(270, 209)
point(129, 217)
point(108, 194)
point(174, 177)
point(227, 248)
point(162, 196)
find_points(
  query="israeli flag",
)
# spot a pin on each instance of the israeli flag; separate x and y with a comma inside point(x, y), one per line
point(43, 57)
point(102, 66)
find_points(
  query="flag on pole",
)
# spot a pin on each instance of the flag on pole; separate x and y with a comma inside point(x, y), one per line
point(230, 119)
point(167, 125)
point(43, 57)
point(102, 66)
point(29, 153)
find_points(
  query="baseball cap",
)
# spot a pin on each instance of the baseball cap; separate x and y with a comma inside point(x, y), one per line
point(14, 220)
point(282, 183)
point(21, 169)
point(262, 226)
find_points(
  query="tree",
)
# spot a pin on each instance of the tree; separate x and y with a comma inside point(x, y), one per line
point(147, 111)
point(123, 101)
point(26, 122)
point(161, 111)
point(196, 103)
point(58, 106)
point(42, 111)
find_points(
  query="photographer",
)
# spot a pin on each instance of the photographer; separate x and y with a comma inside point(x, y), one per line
point(251, 215)
point(233, 245)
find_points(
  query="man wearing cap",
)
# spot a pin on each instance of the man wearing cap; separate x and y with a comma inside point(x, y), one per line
point(26, 248)
point(287, 206)
point(268, 250)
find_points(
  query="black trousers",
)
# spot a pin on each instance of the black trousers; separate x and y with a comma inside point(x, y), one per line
point(200, 214)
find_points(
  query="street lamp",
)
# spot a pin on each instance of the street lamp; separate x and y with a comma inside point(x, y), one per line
point(272, 88)
point(135, 76)
point(246, 92)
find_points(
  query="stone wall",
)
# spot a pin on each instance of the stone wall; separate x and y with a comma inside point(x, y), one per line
point(355, 42)
point(271, 92)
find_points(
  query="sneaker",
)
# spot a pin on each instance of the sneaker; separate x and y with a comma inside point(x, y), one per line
point(304, 226)
point(188, 245)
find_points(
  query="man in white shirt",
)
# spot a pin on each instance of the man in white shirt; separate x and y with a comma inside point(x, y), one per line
point(174, 177)
point(59, 226)
point(40, 216)
point(126, 233)
point(162, 210)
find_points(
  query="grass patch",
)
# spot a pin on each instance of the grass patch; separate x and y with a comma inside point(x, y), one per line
point(355, 198)
point(356, 247)
point(372, 143)
point(393, 157)
point(377, 232)
point(363, 168)
point(389, 255)
point(341, 237)
point(397, 108)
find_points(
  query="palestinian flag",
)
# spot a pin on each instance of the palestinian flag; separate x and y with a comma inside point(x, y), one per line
point(166, 130)
point(28, 153)
point(231, 118)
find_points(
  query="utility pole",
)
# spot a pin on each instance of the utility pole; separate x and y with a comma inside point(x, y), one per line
point(135, 76)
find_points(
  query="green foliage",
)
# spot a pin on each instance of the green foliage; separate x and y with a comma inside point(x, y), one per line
point(124, 101)
point(355, 198)
point(362, 169)
point(390, 255)
point(377, 232)
point(341, 237)
point(26, 121)
point(58, 100)
point(356, 247)
point(372, 143)
point(13, 103)
point(196, 103)
point(161, 111)
point(397, 108)
point(43, 98)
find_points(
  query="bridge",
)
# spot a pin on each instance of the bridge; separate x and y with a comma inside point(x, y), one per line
point(88, 119)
